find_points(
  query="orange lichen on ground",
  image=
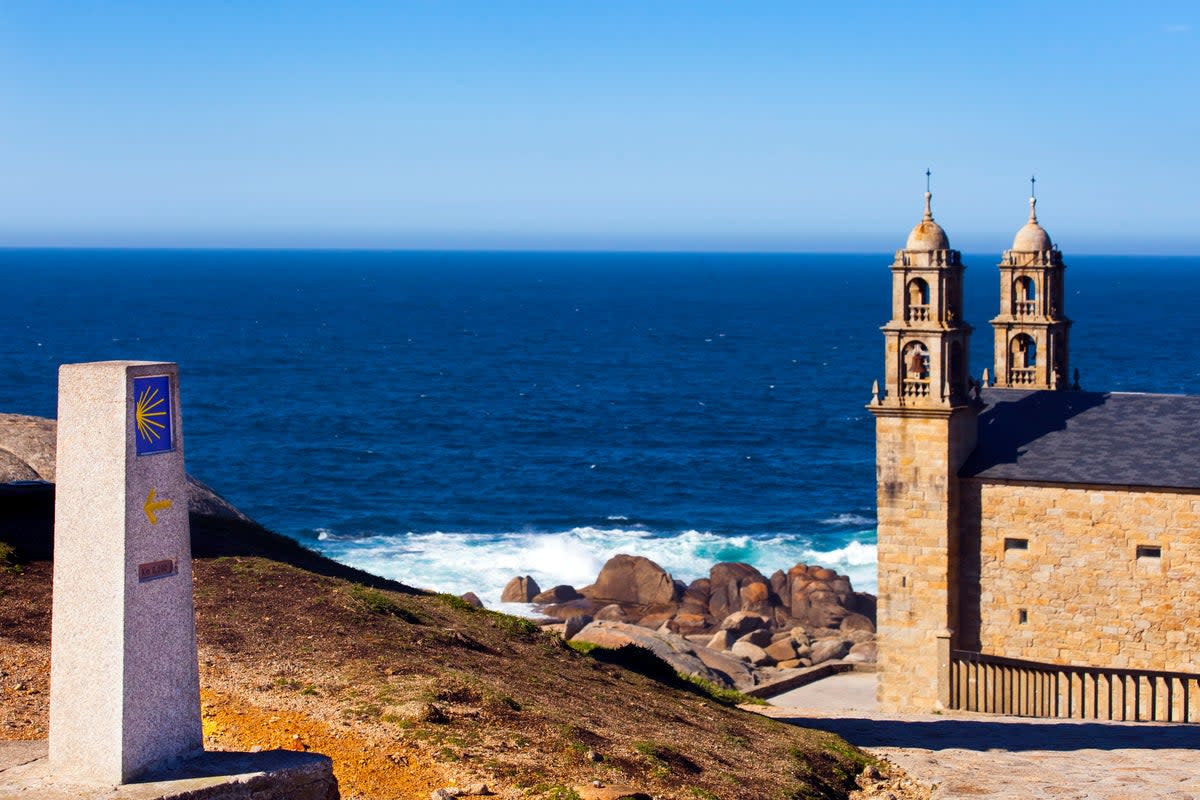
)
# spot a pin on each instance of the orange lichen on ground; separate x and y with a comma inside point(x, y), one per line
point(364, 767)
point(24, 691)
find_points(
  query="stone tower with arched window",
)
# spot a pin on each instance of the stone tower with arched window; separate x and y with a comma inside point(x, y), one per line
point(925, 427)
point(1031, 328)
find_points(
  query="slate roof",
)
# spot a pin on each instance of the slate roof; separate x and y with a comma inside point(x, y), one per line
point(1120, 439)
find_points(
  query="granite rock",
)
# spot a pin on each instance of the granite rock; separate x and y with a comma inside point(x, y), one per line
point(521, 589)
point(634, 580)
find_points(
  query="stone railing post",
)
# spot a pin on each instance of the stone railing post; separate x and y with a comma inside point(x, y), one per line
point(943, 675)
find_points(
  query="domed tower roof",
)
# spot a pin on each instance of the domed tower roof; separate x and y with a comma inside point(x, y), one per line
point(928, 235)
point(1032, 237)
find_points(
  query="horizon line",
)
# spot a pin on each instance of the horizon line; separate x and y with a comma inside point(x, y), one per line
point(181, 248)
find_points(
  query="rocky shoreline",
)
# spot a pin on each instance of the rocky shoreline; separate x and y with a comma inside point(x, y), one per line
point(736, 628)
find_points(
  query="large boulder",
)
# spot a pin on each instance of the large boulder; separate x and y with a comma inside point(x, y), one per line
point(722, 640)
point(756, 596)
point(31, 444)
point(863, 653)
point(633, 580)
point(13, 468)
point(818, 597)
point(759, 638)
point(865, 604)
point(742, 622)
point(725, 584)
point(673, 649)
point(570, 609)
point(612, 613)
point(829, 650)
point(657, 615)
point(697, 592)
point(783, 650)
point(685, 623)
point(521, 589)
point(856, 622)
point(752, 653)
point(741, 674)
point(779, 587)
point(575, 624)
point(556, 594)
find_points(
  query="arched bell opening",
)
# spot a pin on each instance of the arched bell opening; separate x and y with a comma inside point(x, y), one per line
point(1022, 360)
point(1024, 296)
point(914, 370)
point(916, 301)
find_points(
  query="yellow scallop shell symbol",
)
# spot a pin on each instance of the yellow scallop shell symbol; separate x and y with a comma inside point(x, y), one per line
point(149, 407)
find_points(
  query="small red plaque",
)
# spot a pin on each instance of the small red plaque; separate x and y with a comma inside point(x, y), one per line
point(156, 569)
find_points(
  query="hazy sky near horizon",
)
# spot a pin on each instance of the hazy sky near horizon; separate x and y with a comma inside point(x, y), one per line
point(602, 125)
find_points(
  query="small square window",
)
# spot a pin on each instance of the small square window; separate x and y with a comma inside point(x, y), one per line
point(1016, 544)
point(1148, 551)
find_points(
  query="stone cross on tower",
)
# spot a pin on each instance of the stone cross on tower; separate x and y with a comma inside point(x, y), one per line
point(124, 682)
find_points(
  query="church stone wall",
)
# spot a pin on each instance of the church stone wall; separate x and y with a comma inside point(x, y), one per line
point(1054, 574)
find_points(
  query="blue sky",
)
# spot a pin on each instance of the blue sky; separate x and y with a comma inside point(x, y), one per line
point(607, 125)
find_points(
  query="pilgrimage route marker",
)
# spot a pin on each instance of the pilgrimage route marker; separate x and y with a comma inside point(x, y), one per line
point(124, 680)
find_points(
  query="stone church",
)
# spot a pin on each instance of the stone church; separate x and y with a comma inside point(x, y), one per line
point(1020, 517)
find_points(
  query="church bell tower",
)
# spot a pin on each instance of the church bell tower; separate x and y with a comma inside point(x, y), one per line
point(926, 340)
point(1031, 328)
point(925, 427)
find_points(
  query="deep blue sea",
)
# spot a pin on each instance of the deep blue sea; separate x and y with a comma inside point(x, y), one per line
point(454, 419)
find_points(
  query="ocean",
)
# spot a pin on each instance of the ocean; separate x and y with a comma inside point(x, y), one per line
point(453, 419)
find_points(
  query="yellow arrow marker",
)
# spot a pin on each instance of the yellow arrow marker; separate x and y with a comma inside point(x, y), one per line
point(153, 505)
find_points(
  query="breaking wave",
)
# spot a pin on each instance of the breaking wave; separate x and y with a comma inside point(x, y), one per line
point(483, 563)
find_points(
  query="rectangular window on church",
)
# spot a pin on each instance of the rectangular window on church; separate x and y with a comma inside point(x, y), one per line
point(1148, 551)
point(1015, 544)
point(1022, 616)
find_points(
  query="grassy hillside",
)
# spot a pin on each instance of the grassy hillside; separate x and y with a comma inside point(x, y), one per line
point(410, 691)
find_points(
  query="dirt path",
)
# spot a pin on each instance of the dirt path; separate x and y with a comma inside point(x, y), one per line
point(1004, 758)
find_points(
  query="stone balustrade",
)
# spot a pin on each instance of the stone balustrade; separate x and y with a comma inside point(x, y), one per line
point(1022, 376)
point(1014, 687)
point(918, 313)
point(1024, 308)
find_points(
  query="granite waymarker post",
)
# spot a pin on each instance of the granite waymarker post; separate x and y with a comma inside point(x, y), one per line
point(124, 684)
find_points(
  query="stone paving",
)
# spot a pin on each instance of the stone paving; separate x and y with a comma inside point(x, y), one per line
point(1006, 758)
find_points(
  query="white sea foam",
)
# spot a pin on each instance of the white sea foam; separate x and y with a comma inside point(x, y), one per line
point(856, 520)
point(483, 563)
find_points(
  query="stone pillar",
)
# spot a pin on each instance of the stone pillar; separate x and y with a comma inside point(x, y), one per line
point(918, 454)
point(124, 681)
point(943, 677)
